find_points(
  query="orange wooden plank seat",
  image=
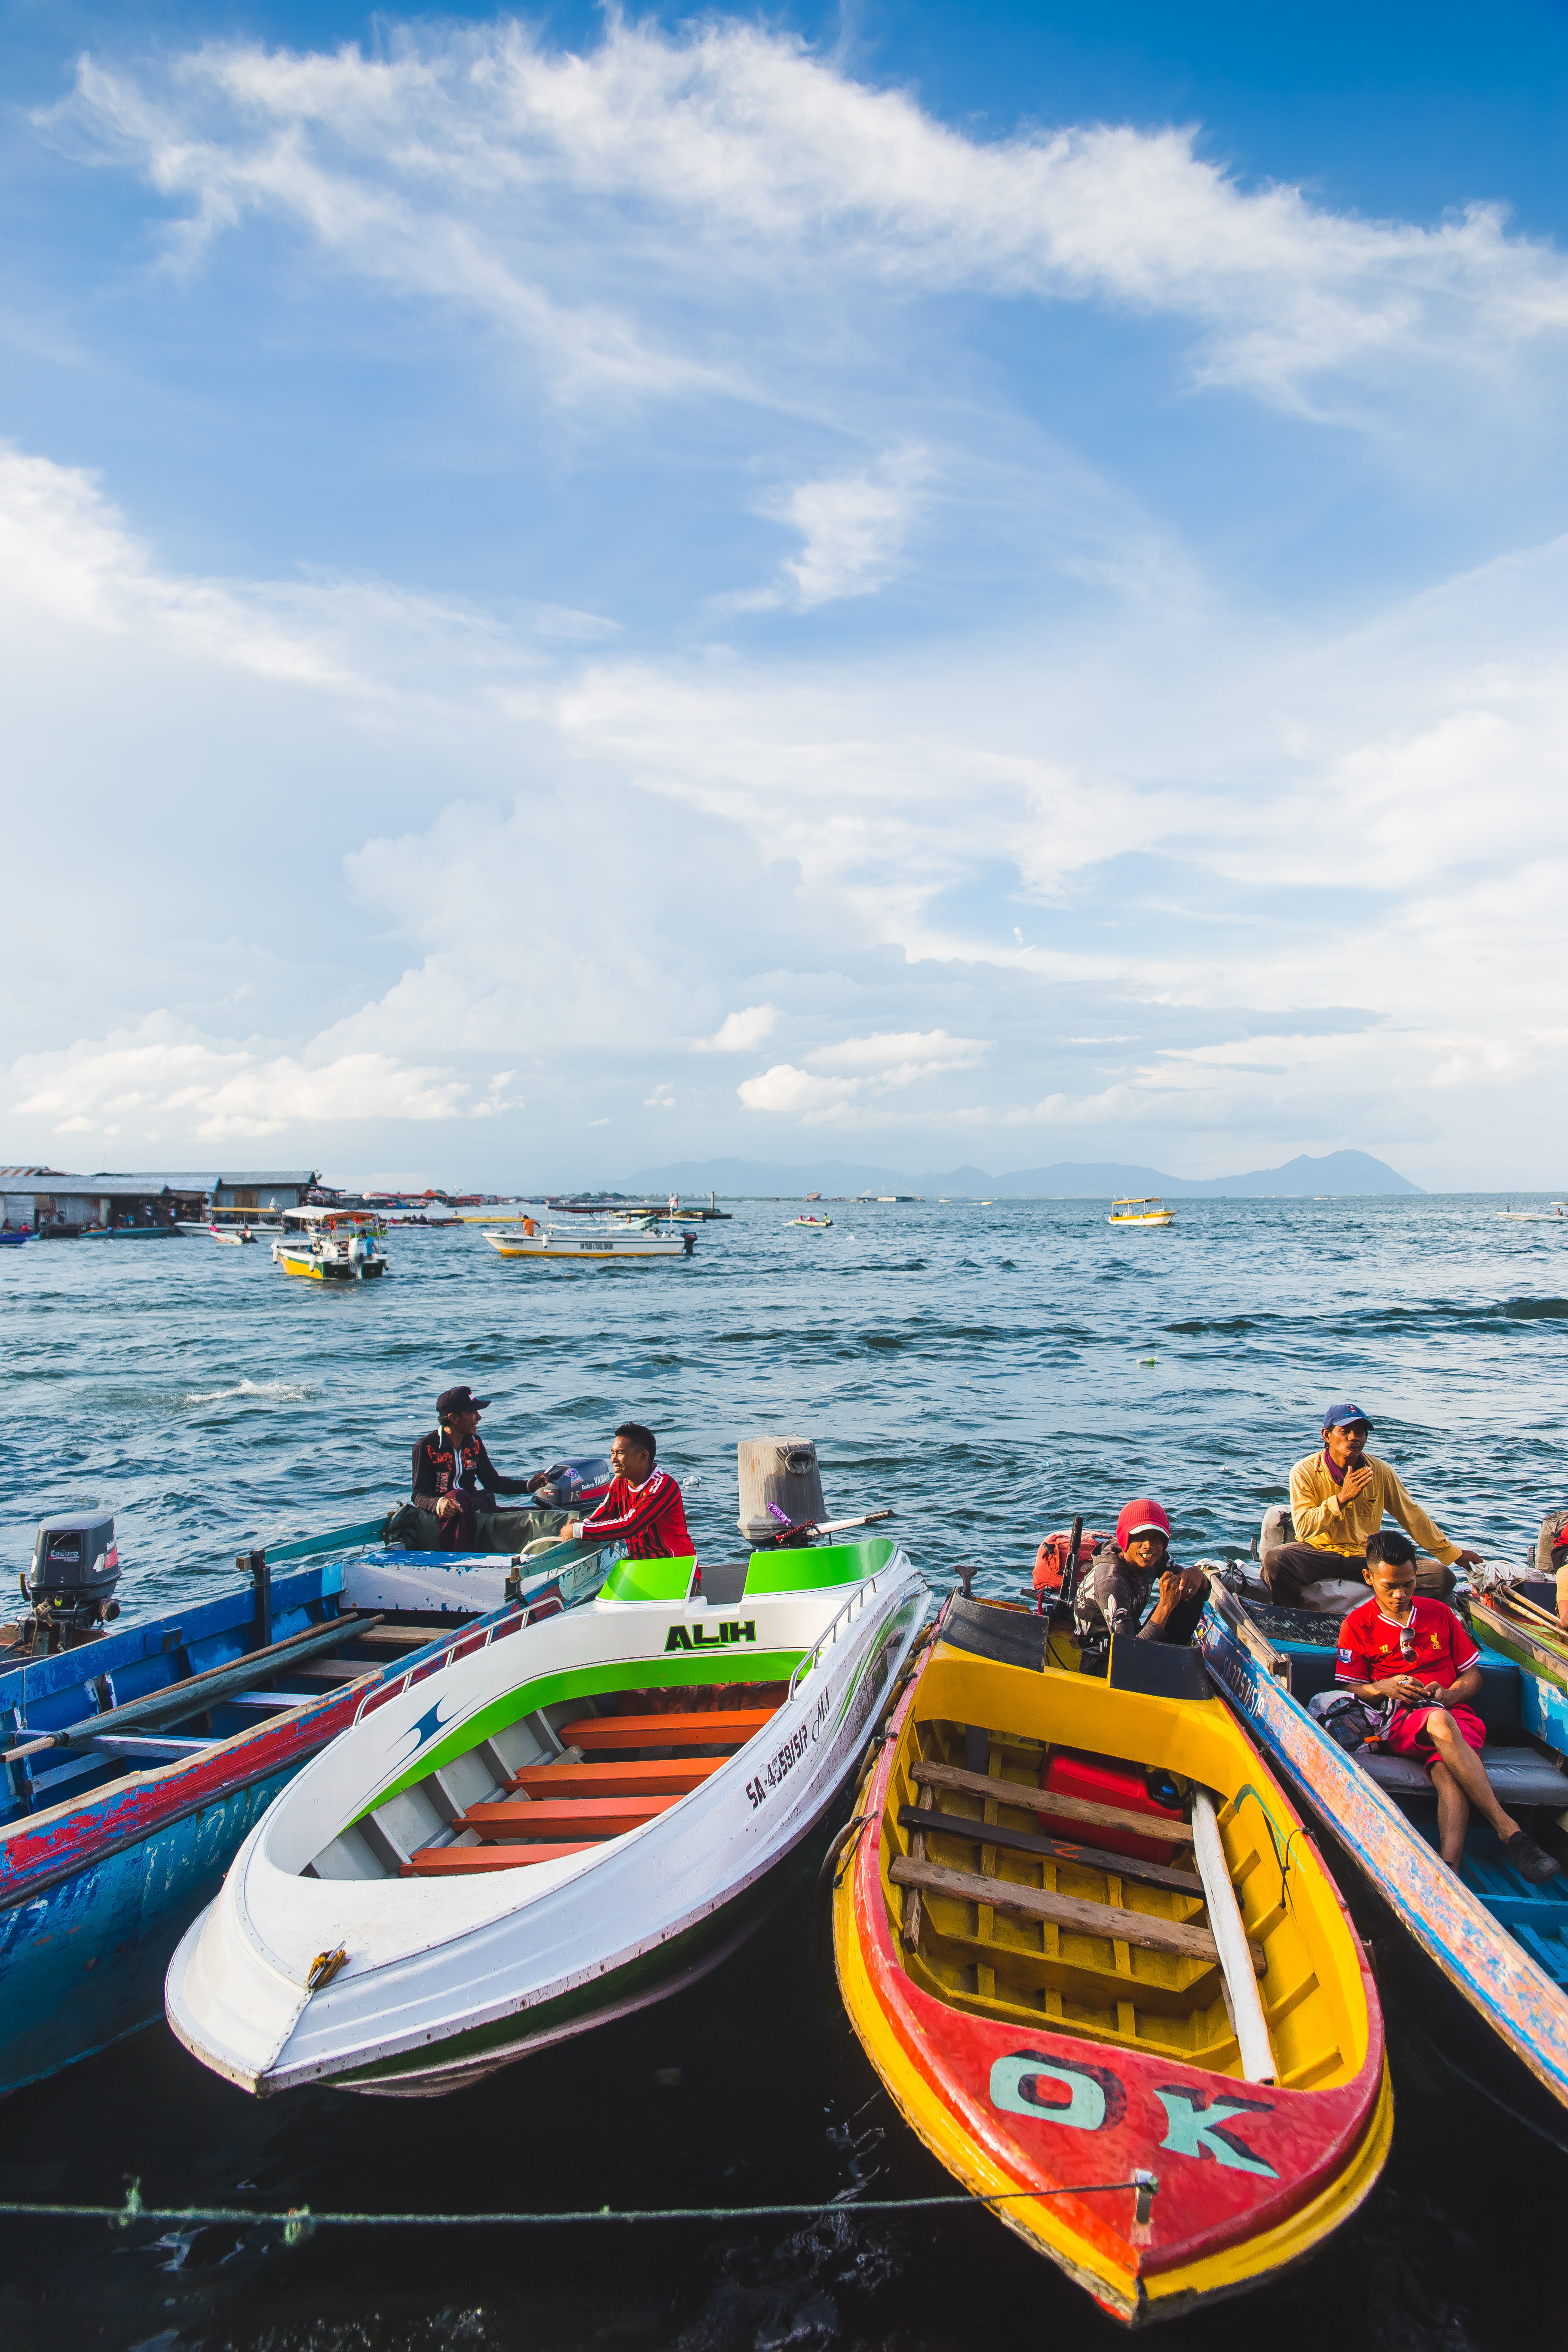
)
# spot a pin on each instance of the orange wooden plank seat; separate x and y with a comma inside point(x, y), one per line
point(672, 1778)
point(582, 1817)
point(728, 1727)
point(455, 1861)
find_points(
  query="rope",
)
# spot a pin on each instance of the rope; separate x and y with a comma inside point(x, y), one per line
point(297, 2221)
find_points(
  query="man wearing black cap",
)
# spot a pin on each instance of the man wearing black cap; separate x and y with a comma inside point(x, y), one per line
point(1338, 1498)
point(455, 1484)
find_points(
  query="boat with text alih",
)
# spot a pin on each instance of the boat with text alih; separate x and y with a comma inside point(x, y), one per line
point(546, 1836)
point(1101, 1971)
point(1480, 1955)
point(136, 1756)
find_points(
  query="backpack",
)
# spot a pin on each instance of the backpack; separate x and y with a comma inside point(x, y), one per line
point(1348, 1721)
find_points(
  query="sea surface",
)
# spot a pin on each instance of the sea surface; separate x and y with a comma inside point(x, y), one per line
point(986, 1372)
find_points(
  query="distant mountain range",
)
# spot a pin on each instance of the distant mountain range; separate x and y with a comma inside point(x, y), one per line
point(1065, 1179)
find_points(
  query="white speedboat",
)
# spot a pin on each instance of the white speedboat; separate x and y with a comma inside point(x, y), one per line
point(555, 1830)
point(604, 1244)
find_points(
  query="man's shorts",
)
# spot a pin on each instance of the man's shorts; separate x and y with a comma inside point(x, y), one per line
point(1407, 1734)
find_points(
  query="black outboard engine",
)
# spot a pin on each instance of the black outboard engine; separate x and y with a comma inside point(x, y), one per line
point(70, 1585)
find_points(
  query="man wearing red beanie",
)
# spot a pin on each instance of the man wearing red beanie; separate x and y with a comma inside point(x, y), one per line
point(1112, 1596)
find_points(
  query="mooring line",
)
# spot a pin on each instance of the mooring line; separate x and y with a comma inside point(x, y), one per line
point(297, 2221)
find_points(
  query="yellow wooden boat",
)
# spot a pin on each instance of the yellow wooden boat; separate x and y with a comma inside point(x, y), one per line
point(1149, 1211)
point(1145, 2028)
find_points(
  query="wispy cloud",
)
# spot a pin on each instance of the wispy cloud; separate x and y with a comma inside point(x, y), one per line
point(853, 527)
point(567, 197)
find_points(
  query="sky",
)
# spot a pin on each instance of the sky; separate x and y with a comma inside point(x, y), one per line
point(906, 582)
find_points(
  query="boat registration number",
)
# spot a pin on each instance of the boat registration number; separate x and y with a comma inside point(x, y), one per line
point(780, 1765)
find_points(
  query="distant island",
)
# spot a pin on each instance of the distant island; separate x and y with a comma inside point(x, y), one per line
point(1303, 1177)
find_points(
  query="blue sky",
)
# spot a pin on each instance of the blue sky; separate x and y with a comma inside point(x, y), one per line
point(904, 582)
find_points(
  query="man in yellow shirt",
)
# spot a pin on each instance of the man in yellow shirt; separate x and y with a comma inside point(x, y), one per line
point(1338, 1499)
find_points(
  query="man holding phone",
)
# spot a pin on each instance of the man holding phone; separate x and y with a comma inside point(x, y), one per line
point(1338, 1498)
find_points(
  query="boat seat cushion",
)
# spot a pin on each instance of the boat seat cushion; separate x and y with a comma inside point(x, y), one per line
point(1518, 1775)
point(1497, 1703)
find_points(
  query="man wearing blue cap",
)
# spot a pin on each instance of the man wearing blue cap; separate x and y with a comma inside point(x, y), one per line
point(1338, 1498)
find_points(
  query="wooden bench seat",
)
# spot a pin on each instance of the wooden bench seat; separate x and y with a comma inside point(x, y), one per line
point(721, 1726)
point(458, 1861)
point(583, 1817)
point(672, 1778)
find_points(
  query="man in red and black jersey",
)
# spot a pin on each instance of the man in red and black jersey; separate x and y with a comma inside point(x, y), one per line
point(643, 1508)
point(456, 1486)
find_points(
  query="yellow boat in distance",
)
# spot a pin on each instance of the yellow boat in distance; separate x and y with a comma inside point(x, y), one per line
point(1103, 1972)
point(1151, 1211)
point(330, 1245)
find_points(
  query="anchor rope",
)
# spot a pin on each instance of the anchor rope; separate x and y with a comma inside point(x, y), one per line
point(297, 2221)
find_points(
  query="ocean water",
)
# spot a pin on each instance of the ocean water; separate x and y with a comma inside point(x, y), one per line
point(987, 1372)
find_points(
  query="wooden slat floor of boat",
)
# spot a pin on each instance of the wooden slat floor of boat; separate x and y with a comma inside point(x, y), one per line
point(731, 1726)
point(1071, 1911)
point(1049, 1849)
point(672, 1777)
point(583, 1817)
point(459, 1861)
point(1155, 1826)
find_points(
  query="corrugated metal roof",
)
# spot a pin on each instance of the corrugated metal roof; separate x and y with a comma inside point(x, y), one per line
point(205, 1179)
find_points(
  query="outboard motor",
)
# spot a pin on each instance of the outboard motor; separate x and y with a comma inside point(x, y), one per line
point(780, 1489)
point(570, 1481)
point(70, 1587)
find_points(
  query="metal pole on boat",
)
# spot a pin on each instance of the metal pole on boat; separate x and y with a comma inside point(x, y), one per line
point(254, 1565)
point(1070, 1573)
point(1242, 1997)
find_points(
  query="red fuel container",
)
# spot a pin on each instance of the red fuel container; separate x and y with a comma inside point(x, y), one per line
point(1103, 1782)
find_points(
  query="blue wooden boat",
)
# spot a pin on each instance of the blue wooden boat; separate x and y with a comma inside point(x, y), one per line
point(1481, 1964)
point(135, 1764)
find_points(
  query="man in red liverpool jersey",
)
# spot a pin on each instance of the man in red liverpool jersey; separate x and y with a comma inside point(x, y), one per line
point(643, 1508)
point(1418, 1651)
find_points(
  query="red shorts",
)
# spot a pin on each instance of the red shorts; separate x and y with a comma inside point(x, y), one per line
point(1407, 1734)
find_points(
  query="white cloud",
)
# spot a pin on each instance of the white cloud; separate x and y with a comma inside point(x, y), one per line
point(899, 1050)
point(560, 193)
point(798, 1093)
point(217, 1091)
point(854, 527)
point(741, 1033)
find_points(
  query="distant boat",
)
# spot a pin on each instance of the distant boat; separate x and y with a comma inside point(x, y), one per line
point(818, 1222)
point(603, 1245)
point(1149, 1211)
point(235, 1236)
point(329, 1246)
